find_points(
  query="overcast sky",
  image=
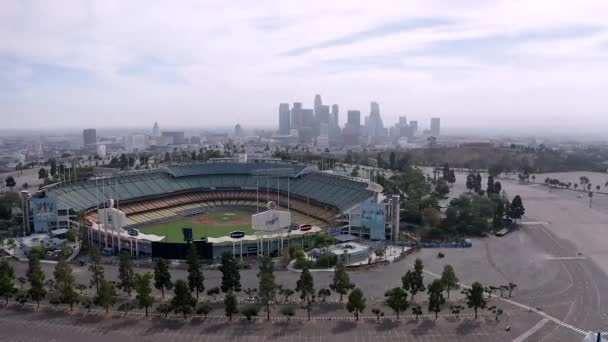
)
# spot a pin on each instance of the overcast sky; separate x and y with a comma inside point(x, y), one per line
point(479, 64)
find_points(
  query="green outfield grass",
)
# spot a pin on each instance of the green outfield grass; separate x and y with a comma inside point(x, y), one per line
point(173, 230)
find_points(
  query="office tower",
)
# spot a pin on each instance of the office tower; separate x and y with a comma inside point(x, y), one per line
point(238, 130)
point(155, 130)
point(402, 121)
point(296, 115)
point(435, 126)
point(318, 104)
point(308, 118)
point(375, 126)
point(352, 128)
point(353, 118)
point(322, 115)
point(174, 137)
point(335, 119)
point(413, 128)
point(284, 118)
point(89, 137)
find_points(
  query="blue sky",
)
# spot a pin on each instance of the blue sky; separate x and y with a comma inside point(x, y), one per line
point(475, 63)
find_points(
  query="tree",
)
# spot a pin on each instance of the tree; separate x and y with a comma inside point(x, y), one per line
point(442, 188)
point(323, 294)
point(231, 279)
point(53, 167)
point(162, 276)
point(590, 198)
point(456, 309)
point(250, 311)
point(305, 285)
point(414, 281)
point(43, 173)
point(182, 301)
point(126, 307)
point(36, 277)
point(516, 209)
point(267, 288)
point(214, 291)
point(341, 283)
point(97, 272)
point(143, 290)
point(416, 311)
point(204, 309)
point(10, 182)
point(511, 287)
point(65, 284)
point(497, 187)
point(230, 305)
point(356, 302)
point(288, 311)
point(431, 217)
point(449, 279)
point(396, 299)
point(196, 278)
point(378, 313)
point(436, 299)
point(475, 297)
point(71, 235)
point(126, 275)
point(164, 309)
point(496, 311)
point(7, 281)
point(470, 183)
point(81, 287)
point(106, 296)
point(490, 187)
point(477, 186)
point(286, 294)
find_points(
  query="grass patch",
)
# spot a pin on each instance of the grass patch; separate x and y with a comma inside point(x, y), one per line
point(173, 230)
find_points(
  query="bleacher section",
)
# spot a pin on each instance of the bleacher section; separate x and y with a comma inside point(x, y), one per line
point(166, 209)
point(156, 195)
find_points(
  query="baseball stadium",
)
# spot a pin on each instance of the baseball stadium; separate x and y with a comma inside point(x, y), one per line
point(214, 204)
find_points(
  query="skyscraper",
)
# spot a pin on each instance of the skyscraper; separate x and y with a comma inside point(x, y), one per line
point(352, 128)
point(89, 137)
point(435, 127)
point(155, 130)
point(284, 118)
point(335, 119)
point(375, 126)
point(413, 128)
point(296, 115)
point(318, 104)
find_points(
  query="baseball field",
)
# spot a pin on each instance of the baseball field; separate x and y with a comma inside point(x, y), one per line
point(213, 224)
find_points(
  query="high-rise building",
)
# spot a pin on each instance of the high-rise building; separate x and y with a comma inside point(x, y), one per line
point(155, 130)
point(89, 137)
point(322, 115)
point(238, 130)
point(296, 115)
point(353, 118)
point(352, 128)
point(435, 127)
point(375, 126)
point(174, 137)
point(284, 118)
point(335, 118)
point(413, 127)
point(318, 104)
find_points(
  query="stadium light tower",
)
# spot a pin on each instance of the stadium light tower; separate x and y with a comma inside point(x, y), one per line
point(272, 173)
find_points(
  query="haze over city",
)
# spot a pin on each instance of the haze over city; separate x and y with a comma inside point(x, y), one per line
point(479, 65)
